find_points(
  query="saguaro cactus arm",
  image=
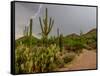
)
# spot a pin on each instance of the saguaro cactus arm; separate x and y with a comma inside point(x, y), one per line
point(52, 23)
point(46, 20)
point(41, 24)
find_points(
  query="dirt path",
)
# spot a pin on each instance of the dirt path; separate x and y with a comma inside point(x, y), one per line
point(86, 60)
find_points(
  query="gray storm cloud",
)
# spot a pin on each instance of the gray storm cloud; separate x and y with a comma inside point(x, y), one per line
point(69, 19)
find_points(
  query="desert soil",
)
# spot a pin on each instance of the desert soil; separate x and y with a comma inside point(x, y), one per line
point(86, 60)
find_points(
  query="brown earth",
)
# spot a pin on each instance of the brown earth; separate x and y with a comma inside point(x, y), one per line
point(86, 60)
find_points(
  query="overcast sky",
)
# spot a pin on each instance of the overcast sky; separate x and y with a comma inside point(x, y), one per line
point(69, 19)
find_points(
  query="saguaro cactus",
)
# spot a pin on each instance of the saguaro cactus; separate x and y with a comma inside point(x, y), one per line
point(61, 42)
point(30, 33)
point(58, 32)
point(57, 36)
point(25, 32)
point(31, 27)
point(46, 25)
point(81, 32)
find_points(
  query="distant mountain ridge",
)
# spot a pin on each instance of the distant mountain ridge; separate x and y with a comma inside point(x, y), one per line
point(89, 33)
point(72, 35)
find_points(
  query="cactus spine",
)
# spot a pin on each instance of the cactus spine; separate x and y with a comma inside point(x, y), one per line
point(46, 26)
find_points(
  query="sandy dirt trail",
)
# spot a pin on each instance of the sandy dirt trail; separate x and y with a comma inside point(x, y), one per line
point(86, 60)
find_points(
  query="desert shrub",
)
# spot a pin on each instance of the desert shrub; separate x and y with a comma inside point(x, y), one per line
point(59, 62)
point(52, 40)
point(91, 42)
point(69, 57)
point(74, 45)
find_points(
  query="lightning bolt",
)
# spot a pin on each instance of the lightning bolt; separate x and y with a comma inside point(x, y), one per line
point(37, 11)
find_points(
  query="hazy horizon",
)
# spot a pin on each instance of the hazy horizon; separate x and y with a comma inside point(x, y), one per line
point(69, 19)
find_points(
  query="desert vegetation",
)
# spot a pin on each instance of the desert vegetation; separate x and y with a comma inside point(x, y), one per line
point(49, 54)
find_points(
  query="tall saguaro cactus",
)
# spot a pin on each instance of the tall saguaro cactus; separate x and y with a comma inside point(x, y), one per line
point(58, 36)
point(25, 32)
point(46, 25)
point(31, 27)
point(30, 33)
point(58, 32)
point(61, 42)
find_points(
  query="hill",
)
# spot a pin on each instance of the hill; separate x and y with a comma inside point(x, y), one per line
point(26, 40)
point(72, 35)
point(87, 40)
point(91, 33)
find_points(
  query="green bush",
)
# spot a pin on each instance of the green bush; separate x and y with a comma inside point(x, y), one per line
point(74, 45)
point(90, 42)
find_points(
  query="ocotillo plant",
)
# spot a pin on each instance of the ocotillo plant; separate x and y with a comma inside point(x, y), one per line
point(61, 42)
point(46, 26)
